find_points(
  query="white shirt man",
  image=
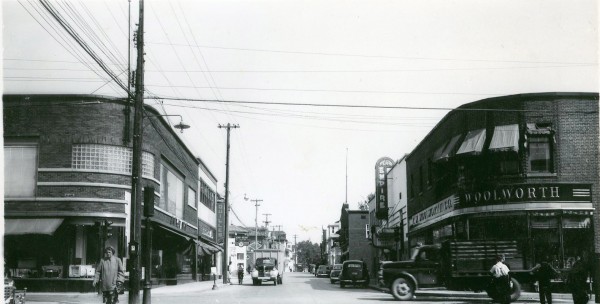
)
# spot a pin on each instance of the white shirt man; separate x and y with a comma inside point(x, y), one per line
point(499, 269)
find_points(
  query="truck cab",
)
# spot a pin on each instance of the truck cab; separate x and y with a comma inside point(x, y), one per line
point(265, 270)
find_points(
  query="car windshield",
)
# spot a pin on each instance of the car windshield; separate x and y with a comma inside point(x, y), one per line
point(265, 262)
point(322, 267)
point(354, 266)
point(337, 267)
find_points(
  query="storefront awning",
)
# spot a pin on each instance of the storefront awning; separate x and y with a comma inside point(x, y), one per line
point(445, 152)
point(505, 138)
point(205, 248)
point(31, 226)
point(473, 142)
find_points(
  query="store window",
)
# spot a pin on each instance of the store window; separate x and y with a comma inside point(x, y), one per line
point(577, 237)
point(207, 196)
point(20, 168)
point(540, 153)
point(191, 199)
point(240, 256)
point(171, 190)
point(109, 158)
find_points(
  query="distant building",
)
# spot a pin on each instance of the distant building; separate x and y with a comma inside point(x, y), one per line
point(333, 249)
point(354, 227)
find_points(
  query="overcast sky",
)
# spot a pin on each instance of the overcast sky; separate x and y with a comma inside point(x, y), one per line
point(420, 54)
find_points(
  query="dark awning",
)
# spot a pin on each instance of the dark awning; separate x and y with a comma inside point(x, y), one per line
point(445, 152)
point(473, 142)
point(505, 138)
point(204, 248)
point(31, 226)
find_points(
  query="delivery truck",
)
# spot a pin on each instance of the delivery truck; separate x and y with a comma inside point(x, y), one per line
point(269, 266)
point(455, 265)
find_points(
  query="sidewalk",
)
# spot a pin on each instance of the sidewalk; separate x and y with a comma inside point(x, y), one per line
point(94, 298)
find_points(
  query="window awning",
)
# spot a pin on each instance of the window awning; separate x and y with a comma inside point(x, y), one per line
point(505, 138)
point(473, 142)
point(31, 226)
point(445, 152)
point(535, 129)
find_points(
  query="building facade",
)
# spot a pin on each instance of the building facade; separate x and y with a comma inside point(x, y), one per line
point(353, 235)
point(68, 186)
point(520, 167)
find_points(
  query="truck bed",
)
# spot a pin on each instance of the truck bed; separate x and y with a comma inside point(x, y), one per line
point(469, 258)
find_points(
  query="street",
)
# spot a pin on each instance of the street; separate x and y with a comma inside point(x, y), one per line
point(297, 287)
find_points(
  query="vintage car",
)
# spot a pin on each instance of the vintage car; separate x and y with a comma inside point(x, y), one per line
point(323, 271)
point(334, 275)
point(354, 272)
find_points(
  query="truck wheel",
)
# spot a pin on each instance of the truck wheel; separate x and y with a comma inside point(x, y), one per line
point(402, 289)
point(342, 284)
point(275, 282)
point(515, 290)
point(280, 280)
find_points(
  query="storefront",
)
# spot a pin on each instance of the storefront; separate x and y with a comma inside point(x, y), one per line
point(548, 220)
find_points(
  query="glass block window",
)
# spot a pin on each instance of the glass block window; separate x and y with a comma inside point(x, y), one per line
point(109, 158)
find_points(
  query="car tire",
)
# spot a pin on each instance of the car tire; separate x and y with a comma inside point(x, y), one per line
point(342, 284)
point(402, 289)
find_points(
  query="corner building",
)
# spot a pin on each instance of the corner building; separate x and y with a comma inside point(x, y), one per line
point(68, 173)
point(521, 167)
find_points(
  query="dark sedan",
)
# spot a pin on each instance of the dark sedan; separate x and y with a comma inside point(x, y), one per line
point(354, 272)
point(323, 271)
point(334, 275)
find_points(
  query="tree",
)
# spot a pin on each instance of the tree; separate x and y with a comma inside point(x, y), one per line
point(308, 253)
point(364, 205)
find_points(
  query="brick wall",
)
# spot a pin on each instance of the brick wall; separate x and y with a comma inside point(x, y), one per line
point(56, 122)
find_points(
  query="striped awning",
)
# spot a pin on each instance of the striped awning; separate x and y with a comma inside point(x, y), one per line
point(444, 152)
point(473, 142)
point(505, 138)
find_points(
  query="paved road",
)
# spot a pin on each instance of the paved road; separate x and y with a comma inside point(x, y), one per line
point(297, 288)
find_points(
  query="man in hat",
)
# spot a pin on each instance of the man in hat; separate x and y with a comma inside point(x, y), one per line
point(110, 273)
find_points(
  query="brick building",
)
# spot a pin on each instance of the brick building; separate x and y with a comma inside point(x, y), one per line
point(68, 175)
point(353, 233)
point(521, 167)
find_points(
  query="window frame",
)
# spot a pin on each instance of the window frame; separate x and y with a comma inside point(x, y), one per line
point(165, 169)
point(549, 161)
point(23, 144)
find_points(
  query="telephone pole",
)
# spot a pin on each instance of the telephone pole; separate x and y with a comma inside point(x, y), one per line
point(226, 241)
point(266, 221)
point(136, 169)
point(256, 204)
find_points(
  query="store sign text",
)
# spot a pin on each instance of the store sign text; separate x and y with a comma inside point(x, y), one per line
point(434, 211)
point(512, 194)
point(382, 167)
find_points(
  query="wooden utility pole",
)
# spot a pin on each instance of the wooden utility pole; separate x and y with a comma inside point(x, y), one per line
point(226, 241)
point(136, 170)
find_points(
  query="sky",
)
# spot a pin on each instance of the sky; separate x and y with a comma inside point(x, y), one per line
point(291, 73)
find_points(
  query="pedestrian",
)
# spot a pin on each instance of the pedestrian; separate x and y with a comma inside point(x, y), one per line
point(577, 280)
point(544, 273)
point(501, 280)
point(109, 273)
point(240, 273)
point(229, 272)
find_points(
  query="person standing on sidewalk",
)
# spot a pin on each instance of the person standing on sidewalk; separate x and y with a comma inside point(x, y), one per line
point(577, 280)
point(109, 273)
point(230, 271)
point(544, 273)
point(501, 280)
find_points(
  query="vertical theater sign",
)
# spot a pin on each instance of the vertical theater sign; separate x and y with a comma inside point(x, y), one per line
point(382, 167)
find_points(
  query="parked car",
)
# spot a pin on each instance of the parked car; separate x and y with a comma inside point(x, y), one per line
point(334, 275)
point(323, 271)
point(354, 272)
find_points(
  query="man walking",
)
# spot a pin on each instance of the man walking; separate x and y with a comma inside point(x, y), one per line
point(110, 274)
point(544, 272)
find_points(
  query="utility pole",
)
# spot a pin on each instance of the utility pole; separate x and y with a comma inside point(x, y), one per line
point(295, 252)
point(256, 204)
point(266, 221)
point(136, 169)
point(226, 241)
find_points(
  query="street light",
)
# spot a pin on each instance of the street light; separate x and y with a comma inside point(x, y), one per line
point(181, 126)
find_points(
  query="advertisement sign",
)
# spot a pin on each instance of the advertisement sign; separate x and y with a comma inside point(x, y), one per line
point(518, 193)
point(382, 167)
